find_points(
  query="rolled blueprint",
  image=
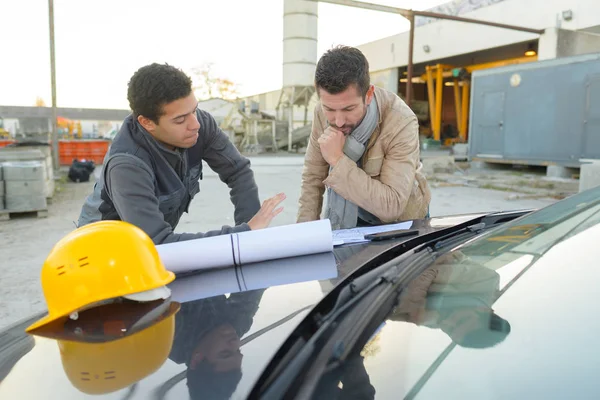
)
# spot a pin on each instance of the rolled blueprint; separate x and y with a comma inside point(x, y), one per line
point(238, 249)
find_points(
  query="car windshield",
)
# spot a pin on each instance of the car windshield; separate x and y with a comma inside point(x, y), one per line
point(484, 317)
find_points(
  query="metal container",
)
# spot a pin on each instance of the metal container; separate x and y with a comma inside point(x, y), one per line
point(542, 113)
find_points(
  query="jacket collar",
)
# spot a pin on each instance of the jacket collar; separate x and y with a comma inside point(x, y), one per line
point(380, 103)
point(173, 157)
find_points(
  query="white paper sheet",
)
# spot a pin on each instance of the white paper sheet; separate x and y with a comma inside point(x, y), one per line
point(247, 247)
point(357, 235)
point(254, 276)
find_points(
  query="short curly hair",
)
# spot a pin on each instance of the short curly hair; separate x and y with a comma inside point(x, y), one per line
point(153, 86)
point(341, 67)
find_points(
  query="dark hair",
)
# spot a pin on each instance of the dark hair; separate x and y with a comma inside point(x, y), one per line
point(341, 67)
point(204, 382)
point(153, 86)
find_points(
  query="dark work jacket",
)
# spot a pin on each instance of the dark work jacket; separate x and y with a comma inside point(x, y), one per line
point(150, 186)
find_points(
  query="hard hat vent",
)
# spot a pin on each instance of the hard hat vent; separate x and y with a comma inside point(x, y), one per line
point(86, 376)
point(83, 261)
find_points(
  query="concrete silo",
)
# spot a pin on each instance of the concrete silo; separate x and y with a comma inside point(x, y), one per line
point(300, 19)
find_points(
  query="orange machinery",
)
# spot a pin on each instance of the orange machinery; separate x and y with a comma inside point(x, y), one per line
point(68, 128)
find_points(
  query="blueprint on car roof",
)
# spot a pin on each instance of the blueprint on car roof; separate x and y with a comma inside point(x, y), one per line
point(357, 235)
point(236, 249)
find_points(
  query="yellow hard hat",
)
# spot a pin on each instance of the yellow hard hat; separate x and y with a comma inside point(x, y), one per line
point(98, 262)
point(97, 368)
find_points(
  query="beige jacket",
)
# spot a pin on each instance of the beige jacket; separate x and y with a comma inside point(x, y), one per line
point(390, 184)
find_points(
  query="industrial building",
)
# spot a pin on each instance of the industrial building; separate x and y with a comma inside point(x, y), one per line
point(448, 58)
point(446, 53)
point(21, 121)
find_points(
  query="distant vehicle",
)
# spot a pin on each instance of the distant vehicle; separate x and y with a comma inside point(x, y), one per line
point(483, 306)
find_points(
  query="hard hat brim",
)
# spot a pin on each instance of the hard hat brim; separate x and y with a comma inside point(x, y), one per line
point(66, 330)
point(160, 293)
point(149, 295)
point(41, 322)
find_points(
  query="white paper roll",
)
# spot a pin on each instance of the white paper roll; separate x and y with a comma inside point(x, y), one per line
point(247, 247)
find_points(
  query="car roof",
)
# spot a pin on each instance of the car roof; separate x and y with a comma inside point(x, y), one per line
point(258, 306)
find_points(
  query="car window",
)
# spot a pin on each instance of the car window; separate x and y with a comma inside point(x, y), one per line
point(497, 317)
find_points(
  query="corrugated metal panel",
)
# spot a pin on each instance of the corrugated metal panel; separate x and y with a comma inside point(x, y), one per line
point(541, 113)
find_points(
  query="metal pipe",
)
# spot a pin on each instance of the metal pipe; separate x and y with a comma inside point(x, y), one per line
point(458, 106)
point(475, 21)
point(274, 135)
point(55, 154)
point(411, 13)
point(430, 95)
point(437, 131)
point(409, 70)
point(291, 120)
point(465, 110)
point(368, 6)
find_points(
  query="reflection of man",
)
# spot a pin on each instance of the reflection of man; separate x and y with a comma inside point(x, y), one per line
point(350, 382)
point(456, 296)
point(207, 340)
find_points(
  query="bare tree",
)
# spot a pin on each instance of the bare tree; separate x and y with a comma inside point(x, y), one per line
point(207, 86)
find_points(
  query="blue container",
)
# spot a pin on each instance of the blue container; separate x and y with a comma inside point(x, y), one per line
point(542, 113)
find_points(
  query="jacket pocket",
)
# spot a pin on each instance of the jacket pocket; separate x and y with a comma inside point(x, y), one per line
point(169, 204)
point(222, 146)
point(373, 166)
point(194, 180)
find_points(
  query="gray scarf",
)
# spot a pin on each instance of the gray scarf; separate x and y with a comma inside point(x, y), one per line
point(343, 213)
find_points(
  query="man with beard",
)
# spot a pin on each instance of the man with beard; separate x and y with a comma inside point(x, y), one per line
point(364, 148)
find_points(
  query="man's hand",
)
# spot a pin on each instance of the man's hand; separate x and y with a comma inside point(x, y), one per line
point(267, 212)
point(332, 145)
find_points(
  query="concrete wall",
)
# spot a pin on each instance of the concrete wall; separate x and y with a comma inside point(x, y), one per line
point(449, 38)
point(557, 43)
point(387, 79)
point(576, 43)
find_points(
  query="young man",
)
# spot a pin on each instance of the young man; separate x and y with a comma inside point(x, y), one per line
point(364, 148)
point(153, 166)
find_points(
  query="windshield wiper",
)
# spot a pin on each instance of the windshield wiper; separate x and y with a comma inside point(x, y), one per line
point(285, 379)
point(307, 354)
point(452, 237)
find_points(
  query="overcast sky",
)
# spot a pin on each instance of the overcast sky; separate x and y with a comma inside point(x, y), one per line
point(99, 44)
